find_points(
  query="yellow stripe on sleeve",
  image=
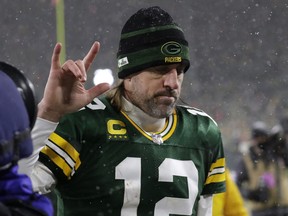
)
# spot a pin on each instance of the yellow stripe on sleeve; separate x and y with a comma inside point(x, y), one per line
point(219, 163)
point(67, 147)
point(217, 172)
point(216, 178)
point(60, 162)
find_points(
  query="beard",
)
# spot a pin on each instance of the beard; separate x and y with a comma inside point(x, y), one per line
point(159, 105)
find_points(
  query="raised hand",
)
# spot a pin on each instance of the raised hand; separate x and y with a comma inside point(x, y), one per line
point(65, 92)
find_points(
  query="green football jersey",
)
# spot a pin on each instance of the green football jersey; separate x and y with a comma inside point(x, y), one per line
point(105, 164)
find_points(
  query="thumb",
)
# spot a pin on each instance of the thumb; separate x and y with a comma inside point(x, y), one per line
point(98, 90)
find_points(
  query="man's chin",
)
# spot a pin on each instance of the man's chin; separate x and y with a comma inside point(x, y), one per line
point(165, 111)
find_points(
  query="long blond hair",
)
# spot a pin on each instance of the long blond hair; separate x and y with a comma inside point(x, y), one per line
point(115, 95)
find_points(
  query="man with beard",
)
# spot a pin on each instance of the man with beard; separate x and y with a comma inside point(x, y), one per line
point(131, 151)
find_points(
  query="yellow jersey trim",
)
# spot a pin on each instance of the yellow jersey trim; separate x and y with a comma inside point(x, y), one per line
point(66, 147)
point(217, 172)
point(60, 162)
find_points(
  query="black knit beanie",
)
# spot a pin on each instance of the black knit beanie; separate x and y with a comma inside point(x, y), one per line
point(149, 38)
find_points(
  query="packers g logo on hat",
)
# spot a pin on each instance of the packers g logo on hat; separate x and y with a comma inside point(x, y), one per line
point(171, 48)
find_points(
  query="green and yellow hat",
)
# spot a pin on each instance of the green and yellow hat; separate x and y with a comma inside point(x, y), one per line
point(150, 38)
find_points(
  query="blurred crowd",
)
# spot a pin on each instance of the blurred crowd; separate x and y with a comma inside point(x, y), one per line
point(261, 172)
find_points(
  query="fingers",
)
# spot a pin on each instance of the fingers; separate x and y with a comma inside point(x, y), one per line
point(83, 65)
point(71, 67)
point(79, 67)
point(89, 58)
point(55, 60)
point(98, 90)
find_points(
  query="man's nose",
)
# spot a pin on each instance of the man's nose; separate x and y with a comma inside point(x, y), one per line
point(171, 79)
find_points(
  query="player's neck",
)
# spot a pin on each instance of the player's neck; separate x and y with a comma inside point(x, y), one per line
point(146, 122)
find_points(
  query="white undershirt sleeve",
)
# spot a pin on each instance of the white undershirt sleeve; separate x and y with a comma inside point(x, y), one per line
point(42, 178)
point(205, 205)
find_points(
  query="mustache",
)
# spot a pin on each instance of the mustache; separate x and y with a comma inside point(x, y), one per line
point(168, 93)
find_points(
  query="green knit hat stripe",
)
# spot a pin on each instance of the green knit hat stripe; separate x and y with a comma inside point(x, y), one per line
point(148, 30)
point(150, 57)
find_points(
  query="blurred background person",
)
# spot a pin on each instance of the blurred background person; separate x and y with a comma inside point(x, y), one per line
point(17, 117)
point(278, 139)
point(262, 172)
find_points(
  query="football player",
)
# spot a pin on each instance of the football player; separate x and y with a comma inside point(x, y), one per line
point(132, 150)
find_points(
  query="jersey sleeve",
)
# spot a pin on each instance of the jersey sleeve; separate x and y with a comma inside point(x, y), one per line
point(215, 181)
point(61, 153)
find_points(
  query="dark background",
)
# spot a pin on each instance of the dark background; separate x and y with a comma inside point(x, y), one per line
point(238, 48)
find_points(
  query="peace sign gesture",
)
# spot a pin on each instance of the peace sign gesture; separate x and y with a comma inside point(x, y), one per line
point(64, 91)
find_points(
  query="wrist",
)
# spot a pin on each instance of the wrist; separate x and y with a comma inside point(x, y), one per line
point(48, 113)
